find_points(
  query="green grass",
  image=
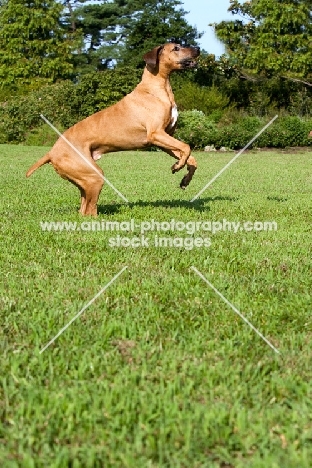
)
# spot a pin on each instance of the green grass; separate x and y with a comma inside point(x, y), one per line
point(158, 371)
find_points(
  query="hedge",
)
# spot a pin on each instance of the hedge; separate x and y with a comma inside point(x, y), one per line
point(66, 103)
point(200, 131)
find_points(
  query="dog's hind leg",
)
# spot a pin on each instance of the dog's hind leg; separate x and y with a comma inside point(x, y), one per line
point(88, 180)
point(82, 201)
point(92, 190)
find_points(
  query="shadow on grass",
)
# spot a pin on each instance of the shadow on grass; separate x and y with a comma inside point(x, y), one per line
point(278, 199)
point(197, 205)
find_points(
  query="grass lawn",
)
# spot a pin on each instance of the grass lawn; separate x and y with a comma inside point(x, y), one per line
point(158, 371)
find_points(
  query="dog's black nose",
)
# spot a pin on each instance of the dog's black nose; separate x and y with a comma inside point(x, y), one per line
point(194, 48)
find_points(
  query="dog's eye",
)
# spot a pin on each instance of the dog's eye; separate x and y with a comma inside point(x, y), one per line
point(176, 48)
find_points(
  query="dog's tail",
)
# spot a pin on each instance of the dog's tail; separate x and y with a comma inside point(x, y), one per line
point(44, 160)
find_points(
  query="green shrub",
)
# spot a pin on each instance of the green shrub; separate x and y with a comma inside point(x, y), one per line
point(213, 122)
point(21, 115)
point(43, 135)
point(65, 103)
point(259, 103)
point(20, 88)
point(231, 116)
point(216, 116)
point(301, 103)
point(285, 132)
point(237, 135)
point(262, 97)
point(195, 128)
point(96, 91)
point(198, 131)
point(189, 96)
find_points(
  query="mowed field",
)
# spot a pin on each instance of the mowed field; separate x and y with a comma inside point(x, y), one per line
point(158, 371)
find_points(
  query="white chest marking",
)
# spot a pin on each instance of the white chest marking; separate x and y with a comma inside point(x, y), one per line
point(174, 115)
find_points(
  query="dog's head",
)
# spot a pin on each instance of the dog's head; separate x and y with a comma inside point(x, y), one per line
point(172, 56)
point(310, 134)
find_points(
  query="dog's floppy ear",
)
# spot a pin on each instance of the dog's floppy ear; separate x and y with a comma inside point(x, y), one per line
point(151, 57)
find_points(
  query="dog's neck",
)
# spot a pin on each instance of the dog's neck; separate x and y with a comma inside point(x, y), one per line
point(160, 81)
point(156, 73)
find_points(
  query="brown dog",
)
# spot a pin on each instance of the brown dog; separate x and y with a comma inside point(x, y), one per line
point(147, 116)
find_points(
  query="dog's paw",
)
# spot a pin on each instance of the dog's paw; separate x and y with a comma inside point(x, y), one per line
point(184, 183)
point(175, 168)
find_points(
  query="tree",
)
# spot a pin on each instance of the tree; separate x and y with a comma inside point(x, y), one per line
point(272, 39)
point(122, 30)
point(155, 22)
point(34, 46)
point(98, 23)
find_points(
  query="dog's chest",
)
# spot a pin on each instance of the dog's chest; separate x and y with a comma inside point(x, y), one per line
point(174, 115)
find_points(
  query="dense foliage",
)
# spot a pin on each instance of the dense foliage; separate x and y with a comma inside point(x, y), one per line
point(273, 37)
point(64, 103)
point(92, 54)
point(34, 46)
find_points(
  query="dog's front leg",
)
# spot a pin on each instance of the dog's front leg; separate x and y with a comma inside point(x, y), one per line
point(191, 168)
point(191, 165)
point(178, 150)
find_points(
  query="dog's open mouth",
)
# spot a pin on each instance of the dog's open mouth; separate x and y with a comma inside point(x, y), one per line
point(188, 63)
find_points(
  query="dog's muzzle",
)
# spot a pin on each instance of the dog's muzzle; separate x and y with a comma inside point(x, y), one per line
point(190, 62)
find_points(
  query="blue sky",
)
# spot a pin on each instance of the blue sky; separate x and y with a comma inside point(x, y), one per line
point(203, 12)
